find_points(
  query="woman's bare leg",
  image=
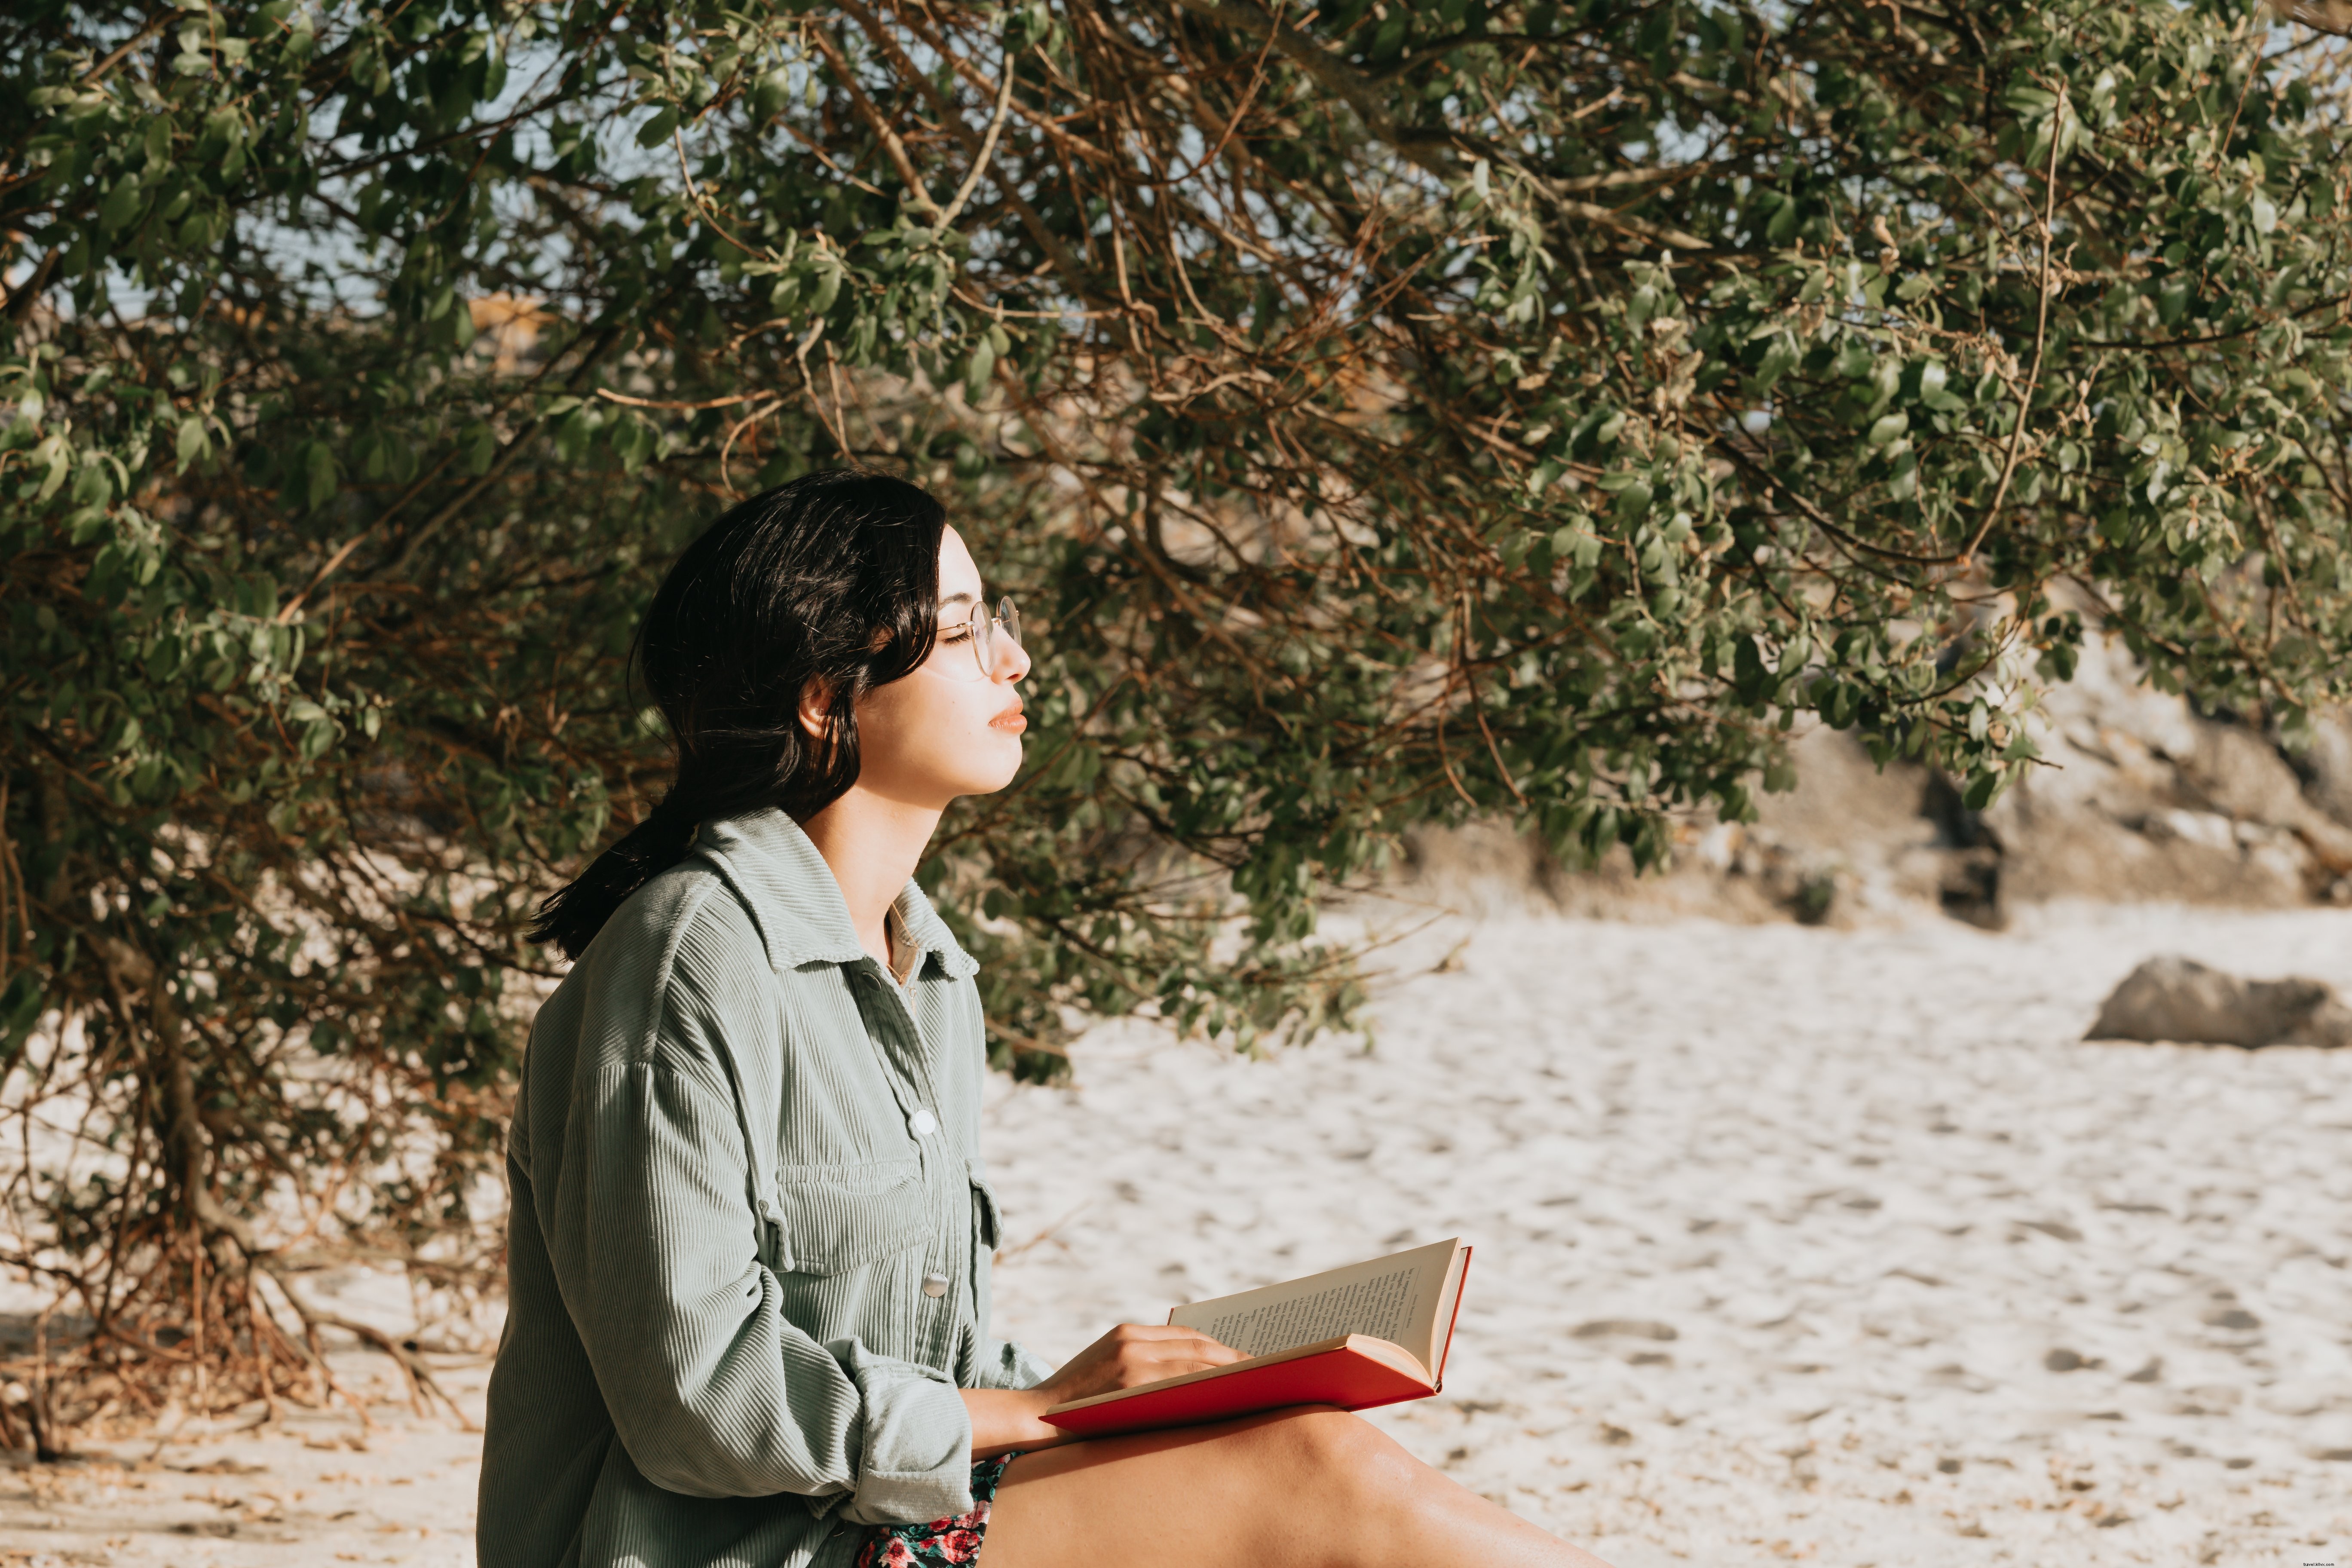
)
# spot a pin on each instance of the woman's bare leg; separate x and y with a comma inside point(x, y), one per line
point(1309, 1489)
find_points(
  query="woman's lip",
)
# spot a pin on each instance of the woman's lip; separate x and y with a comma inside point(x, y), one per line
point(1013, 721)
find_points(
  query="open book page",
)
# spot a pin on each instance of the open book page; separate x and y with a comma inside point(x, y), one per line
point(1406, 1298)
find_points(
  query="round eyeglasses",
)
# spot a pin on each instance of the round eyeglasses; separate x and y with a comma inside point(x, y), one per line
point(987, 628)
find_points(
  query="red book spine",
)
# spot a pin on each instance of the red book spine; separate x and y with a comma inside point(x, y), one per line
point(1339, 1378)
point(1445, 1345)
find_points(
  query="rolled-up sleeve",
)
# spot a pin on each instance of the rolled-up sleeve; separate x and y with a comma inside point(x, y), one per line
point(712, 1391)
point(916, 1461)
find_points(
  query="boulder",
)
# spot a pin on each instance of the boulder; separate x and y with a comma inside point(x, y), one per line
point(2137, 795)
point(2326, 766)
point(2175, 998)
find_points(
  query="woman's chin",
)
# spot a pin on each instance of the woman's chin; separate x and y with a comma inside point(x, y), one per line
point(998, 766)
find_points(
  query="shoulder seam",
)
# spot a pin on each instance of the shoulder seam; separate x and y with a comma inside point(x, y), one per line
point(690, 909)
point(728, 1091)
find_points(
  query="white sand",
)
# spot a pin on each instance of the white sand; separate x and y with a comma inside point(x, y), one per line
point(1866, 1181)
point(1850, 1199)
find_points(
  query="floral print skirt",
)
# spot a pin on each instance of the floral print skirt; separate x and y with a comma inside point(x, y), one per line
point(942, 1541)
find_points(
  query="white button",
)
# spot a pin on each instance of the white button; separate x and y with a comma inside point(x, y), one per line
point(925, 1124)
point(935, 1285)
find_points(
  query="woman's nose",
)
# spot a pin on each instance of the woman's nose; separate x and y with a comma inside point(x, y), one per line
point(1012, 664)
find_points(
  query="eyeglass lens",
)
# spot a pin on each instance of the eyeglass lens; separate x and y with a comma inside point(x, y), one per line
point(984, 628)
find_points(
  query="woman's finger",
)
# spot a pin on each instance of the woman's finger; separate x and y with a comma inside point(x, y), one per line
point(1175, 1362)
point(1207, 1353)
point(1157, 1331)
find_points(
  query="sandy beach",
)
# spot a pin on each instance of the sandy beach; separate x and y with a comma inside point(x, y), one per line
point(1831, 1246)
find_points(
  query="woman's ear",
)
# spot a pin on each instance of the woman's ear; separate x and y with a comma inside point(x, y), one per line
point(816, 712)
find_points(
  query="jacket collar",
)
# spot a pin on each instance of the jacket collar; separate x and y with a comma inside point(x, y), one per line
point(797, 905)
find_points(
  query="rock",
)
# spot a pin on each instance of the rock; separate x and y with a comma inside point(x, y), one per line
point(2137, 796)
point(2241, 775)
point(2326, 767)
point(2176, 998)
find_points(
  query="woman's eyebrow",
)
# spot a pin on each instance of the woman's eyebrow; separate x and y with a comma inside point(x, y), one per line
point(958, 598)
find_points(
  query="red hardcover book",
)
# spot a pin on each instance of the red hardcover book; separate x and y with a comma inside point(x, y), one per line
point(1372, 1333)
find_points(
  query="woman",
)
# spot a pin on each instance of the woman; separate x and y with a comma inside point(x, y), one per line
point(749, 1245)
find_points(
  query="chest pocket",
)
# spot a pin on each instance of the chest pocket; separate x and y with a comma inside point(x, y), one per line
point(829, 1219)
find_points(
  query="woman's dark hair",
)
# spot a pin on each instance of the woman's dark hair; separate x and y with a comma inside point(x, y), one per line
point(832, 579)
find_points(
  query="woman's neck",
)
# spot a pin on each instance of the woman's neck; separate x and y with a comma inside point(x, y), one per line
point(872, 844)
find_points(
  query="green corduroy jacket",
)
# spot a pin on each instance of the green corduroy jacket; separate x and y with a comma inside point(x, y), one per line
point(749, 1238)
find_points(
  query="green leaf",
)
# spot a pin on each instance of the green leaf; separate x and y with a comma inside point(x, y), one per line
point(54, 458)
point(572, 433)
point(480, 445)
point(2028, 102)
point(319, 474)
point(770, 93)
point(93, 485)
point(122, 204)
point(828, 286)
point(656, 131)
point(634, 440)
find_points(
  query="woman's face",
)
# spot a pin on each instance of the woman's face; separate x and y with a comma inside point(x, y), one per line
point(948, 729)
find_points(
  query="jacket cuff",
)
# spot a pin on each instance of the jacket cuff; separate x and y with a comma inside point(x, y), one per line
point(915, 1455)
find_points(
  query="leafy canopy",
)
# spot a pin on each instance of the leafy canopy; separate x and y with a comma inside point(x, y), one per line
point(1387, 413)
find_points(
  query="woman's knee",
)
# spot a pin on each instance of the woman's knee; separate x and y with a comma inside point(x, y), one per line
point(1331, 1451)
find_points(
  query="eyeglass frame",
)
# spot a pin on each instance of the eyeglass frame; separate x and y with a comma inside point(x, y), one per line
point(985, 628)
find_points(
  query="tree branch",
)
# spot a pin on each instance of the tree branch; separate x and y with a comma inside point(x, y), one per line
point(1430, 150)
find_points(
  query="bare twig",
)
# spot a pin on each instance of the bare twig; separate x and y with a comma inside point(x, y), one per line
point(2032, 382)
point(987, 149)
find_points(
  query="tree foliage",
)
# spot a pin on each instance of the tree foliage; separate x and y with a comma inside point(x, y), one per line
point(1387, 413)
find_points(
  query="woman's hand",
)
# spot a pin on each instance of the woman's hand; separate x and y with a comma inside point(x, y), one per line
point(1130, 1354)
point(1135, 1353)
